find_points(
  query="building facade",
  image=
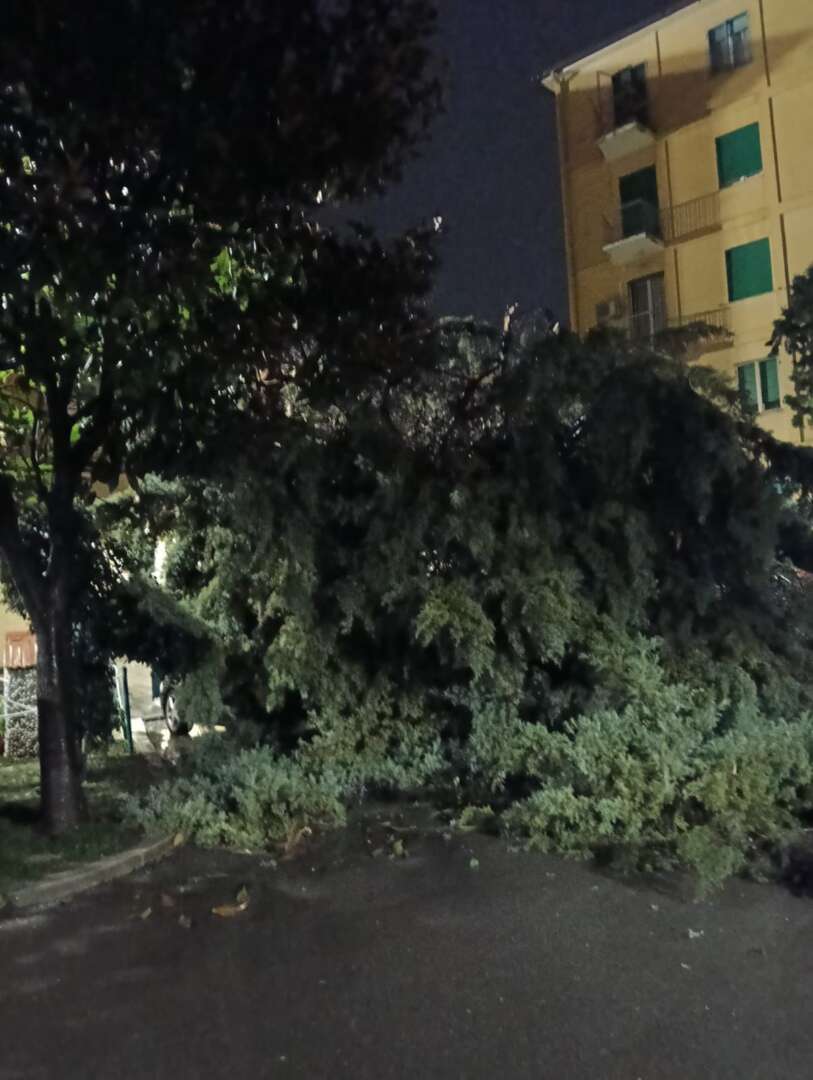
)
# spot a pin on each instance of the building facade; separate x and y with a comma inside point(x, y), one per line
point(686, 150)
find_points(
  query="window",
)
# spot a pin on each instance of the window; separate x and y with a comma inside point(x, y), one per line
point(749, 270)
point(629, 96)
point(760, 393)
point(739, 154)
point(730, 44)
point(647, 306)
point(639, 203)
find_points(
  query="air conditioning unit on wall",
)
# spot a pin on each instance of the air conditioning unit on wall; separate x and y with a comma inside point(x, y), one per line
point(610, 311)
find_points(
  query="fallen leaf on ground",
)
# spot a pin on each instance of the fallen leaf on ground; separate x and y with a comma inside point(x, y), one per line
point(145, 914)
point(185, 922)
point(178, 839)
point(167, 901)
point(474, 864)
point(695, 934)
point(228, 911)
point(399, 850)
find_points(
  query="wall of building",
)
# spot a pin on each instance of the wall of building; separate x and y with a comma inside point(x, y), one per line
point(10, 622)
point(689, 108)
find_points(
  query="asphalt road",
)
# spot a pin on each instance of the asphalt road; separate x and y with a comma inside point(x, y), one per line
point(345, 965)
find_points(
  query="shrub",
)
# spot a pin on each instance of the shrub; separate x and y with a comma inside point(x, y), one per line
point(677, 776)
point(258, 798)
point(252, 799)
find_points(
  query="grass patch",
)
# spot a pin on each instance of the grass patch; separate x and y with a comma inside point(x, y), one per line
point(27, 854)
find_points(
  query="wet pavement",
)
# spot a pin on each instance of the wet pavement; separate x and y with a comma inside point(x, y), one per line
point(434, 957)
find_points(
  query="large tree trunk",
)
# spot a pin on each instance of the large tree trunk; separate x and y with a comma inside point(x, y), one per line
point(63, 805)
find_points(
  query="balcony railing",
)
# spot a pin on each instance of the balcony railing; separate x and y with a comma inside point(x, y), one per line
point(667, 225)
point(718, 318)
point(691, 218)
point(717, 323)
point(649, 325)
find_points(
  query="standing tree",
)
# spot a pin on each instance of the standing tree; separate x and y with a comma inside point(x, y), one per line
point(163, 165)
point(794, 330)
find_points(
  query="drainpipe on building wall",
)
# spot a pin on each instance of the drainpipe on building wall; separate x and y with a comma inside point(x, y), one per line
point(563, 82)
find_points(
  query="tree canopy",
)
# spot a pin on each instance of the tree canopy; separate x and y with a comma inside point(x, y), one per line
point(164, 166)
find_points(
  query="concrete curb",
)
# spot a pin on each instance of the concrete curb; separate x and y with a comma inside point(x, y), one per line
point(57, 888)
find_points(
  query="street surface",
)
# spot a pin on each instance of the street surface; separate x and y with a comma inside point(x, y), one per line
point(458, 960)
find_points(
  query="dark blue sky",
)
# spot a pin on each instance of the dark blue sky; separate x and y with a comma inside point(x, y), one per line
point(491, 169)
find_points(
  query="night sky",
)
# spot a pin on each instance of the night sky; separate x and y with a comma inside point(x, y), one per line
point(491, 169)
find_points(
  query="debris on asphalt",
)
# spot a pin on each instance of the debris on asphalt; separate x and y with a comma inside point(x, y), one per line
point(228, 911)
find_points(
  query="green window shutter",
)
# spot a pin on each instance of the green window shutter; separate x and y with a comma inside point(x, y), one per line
point(739, 154)
point(749, 270)
point(747, 377)
point(769, 383)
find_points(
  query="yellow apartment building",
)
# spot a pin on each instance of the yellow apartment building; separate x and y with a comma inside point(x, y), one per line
point(686, 151)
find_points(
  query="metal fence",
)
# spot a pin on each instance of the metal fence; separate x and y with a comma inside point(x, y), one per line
point(670, 224)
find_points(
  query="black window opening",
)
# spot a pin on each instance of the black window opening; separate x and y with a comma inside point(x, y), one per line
point(629, 96)
point(640, 211)
point(647, 298)
point(730, 44)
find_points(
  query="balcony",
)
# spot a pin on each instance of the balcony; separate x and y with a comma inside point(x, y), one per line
point(625, 127)
point(690, 219)
point(623, 141)
point(717, 322)
point(639, 230)
point(634, 233)
point(650, 324)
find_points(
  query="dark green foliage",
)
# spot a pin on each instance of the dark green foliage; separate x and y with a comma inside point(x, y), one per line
point(165, 167)
point(253, 799)
point(794, 331)
point(540, 573)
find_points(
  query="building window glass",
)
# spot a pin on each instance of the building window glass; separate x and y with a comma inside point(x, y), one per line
point(739, 155)
point(647, 306)
point(759, 384)
point(629, 96)
point(639, 203)
point(749, 270)
point(730, 44)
